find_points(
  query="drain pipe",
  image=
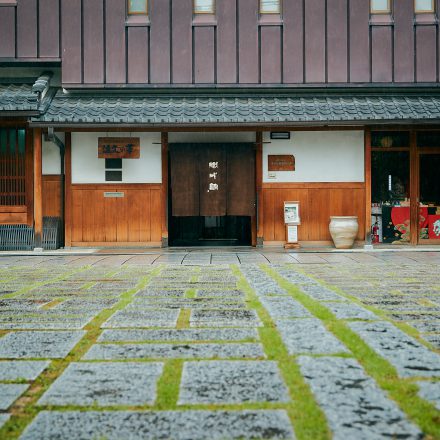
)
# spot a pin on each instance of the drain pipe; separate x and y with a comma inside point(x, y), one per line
point(50, 136)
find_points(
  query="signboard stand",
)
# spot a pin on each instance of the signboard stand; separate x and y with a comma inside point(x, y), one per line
point(292, 220)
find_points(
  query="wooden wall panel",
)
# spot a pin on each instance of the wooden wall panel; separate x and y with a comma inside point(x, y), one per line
point(382, 53)
point(93, 28)
point(318, 202)
point(426, 49)
point(13, 218)
point(337, 57)
point(7, 32)
point(27, 36)
point(51, 196)
point(404, 41)
point(204, 58)
point(115, 41)
point(226, 41)
point(293, 35)
point(49, 28)
point(71, 41)
point(270, 37)
point(315, 41)
point(133, 219)
point(160, 41)
point(248, 41)
point(359, 41)
point(138, 47)
point(182, 41)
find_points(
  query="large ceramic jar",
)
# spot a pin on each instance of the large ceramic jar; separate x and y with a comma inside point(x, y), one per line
point(343, 231)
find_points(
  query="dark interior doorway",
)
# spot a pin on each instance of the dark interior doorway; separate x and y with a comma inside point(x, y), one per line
point(212, 194)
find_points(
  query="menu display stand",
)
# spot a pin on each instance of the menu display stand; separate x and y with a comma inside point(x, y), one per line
point(292, 220)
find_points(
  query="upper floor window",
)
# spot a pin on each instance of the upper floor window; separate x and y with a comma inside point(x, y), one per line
point(380, 6)
point(424, 6)
point(137, 7)
point(204, 6)
point(270, 6)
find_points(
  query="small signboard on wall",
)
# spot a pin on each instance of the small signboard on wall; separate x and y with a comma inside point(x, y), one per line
point(281, 162)
point(119, 148)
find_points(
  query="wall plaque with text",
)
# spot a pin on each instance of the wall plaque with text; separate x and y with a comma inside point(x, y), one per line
point(281, 162)
point(119, 148)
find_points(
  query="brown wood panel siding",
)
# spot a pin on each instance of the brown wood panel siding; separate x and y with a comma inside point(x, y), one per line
point(160, 35)
point(93, 41)
point(49, 28)
point(314, 44)
point(359, 41)
point(182, 41)
point(204, 54)
point(27, 28)
point(248, 41)
point(138, 46)
point(270, 37)
point(337, 57)
point(7, 32)
point(426, 49)
point(381, 53)
point(13, 218)
point(293, 35)
point(51, 196)
point(226, 41)
point(404, 41)
point(134, 218)
point(115, 41)
point(318, 202)
point(71, 41)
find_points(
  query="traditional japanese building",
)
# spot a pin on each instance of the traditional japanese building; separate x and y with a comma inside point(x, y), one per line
point(181, 122)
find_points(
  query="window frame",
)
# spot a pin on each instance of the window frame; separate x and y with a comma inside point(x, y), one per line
point(388, 11)
point(211, 12)
point(129, 12)
point(425, 11)
point(279, 12)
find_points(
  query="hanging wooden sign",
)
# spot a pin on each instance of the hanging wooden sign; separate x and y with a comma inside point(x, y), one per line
point(281, 162)
point(119, 148)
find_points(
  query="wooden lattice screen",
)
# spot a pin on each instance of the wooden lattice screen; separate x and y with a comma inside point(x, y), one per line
point(12, 167)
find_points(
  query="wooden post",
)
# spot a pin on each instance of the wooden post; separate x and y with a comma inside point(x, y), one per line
point(367, 161)
point(414, 189)
point(259, 188)
point(68, 190)
point(29, 177)
point(38, 187)
point(164, 193)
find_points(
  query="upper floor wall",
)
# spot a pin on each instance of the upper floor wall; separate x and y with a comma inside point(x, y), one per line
point(313, 42)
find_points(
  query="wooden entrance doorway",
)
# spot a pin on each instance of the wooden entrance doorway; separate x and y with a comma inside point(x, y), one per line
point(212, 194)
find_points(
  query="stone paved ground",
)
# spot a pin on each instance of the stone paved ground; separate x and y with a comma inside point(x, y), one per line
point(220, 345)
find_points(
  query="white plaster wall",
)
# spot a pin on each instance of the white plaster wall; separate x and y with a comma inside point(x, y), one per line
point(320, 156)
point(87, 168)
point(200, 137)
point(51, 156)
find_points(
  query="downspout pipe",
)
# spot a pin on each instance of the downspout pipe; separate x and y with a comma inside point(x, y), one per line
point(50, 136)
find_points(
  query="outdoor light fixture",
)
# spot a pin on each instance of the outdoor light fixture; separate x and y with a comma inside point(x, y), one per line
point(280, 135)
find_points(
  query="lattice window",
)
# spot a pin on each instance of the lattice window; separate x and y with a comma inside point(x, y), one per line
point(12, 167)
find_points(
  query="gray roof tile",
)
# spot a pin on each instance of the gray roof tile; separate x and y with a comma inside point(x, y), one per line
point(17, 97)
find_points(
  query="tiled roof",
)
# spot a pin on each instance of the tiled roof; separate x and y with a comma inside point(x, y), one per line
point(199, 110)
point(17, 98)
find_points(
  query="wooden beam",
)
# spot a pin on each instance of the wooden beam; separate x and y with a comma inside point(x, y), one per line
point(38, 186)
point(259, 187)
point(29, 153)
point(164, 192)
point(414, 189)
point(367, 162)
point(68, 191)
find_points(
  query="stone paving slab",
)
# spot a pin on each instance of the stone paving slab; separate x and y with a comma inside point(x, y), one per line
point(174, 351)
point(348, 310)
point(4, 418)
point(224, 334)
point(105, 384)
point(42, 344)
point(9, 393)
point(170, 425)
point(309, 336)
point(27, 370)
point(430, 391)
point(223, 294)
point(284, 307)
point(186, 303)
point(224, 318)
point(230, 382)
point(153, 292)
point(145, 318)
point(354, 405)
point(407, 355)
